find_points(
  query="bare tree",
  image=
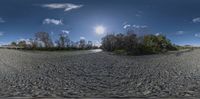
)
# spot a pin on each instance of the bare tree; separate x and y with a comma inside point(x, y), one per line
point(33, 43)
point(89, 44)
point(58, 43)
point(108, 42)
point(63, 41)
point(82, 43)
point(67, 41)
point(45, 38)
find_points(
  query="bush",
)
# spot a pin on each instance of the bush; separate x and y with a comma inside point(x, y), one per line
point(120, 52)
point(146, 50)
point(109, 42)
point(132, 45)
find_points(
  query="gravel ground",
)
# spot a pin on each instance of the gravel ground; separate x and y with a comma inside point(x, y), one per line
point(101, 74)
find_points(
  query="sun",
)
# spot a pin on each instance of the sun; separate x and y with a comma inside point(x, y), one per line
point(100, 30)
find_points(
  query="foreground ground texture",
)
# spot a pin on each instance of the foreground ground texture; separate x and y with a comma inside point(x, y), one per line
point(89, 74)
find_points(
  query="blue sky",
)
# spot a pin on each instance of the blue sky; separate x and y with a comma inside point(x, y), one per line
point(179, 20)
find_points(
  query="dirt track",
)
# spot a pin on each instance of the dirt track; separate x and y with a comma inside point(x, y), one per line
point(64, 74)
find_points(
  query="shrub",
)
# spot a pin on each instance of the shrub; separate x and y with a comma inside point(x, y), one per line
point(109, 42)
point(120, 52)
point(132, 45)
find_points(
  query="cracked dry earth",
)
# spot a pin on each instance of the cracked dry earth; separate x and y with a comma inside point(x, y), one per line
point(98, 74)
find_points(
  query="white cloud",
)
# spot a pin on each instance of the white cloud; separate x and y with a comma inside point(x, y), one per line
point(4, 43)
point(52, 21)
point(196, 20)
point(180, 32)
point(139, 26)
point(197, 35)
point(2, 20)
point(65, 31)
point(134, 26)
point(82, 38)
point(65, 6)
point(157, 34)
point(97, 43)
point(126, 26)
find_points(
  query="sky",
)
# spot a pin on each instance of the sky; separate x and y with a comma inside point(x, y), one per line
point(179, 20)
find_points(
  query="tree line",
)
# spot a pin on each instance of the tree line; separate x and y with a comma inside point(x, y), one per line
point(123, 43)
point(43, 41)
point(131, 44)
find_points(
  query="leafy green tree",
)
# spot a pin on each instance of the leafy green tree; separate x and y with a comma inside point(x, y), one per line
point(22, 44)
point(14, 44)
point(120, 41)
point(131, 44)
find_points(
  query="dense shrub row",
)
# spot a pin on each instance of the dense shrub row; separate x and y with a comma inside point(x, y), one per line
point(132, 44)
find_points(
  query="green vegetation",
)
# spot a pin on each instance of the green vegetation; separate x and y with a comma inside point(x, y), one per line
point(131, 44)
point(120, 52)
point(123, 43)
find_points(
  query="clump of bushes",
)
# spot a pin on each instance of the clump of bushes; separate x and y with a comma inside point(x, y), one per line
point(132, 44)
point(120, 52)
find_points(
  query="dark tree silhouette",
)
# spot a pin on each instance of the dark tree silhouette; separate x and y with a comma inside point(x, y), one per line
point(14, 44)
point(64, 41)
point(82, 43)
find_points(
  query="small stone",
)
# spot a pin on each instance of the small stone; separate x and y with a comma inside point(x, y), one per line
point(139, 84)
point(146, 92)
point(187, 95)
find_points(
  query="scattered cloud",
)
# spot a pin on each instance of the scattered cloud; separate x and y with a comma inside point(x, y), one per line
point(134, 26)
point(65, 31)
point(65, 6)
point(4, 43)
point(125, 23)
point(82, 38)
point(2, 20)
point(1, 33)
point(52, 21)
point(126, 26)
point(52, 33)
point(138, 15)
point(157, 34)
point(197, 35)
point(196, 20)
point(139, 26)
point(180, 32)
point(97, 43)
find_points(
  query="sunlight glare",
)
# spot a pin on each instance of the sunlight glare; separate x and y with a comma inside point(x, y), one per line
point(100, 30)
